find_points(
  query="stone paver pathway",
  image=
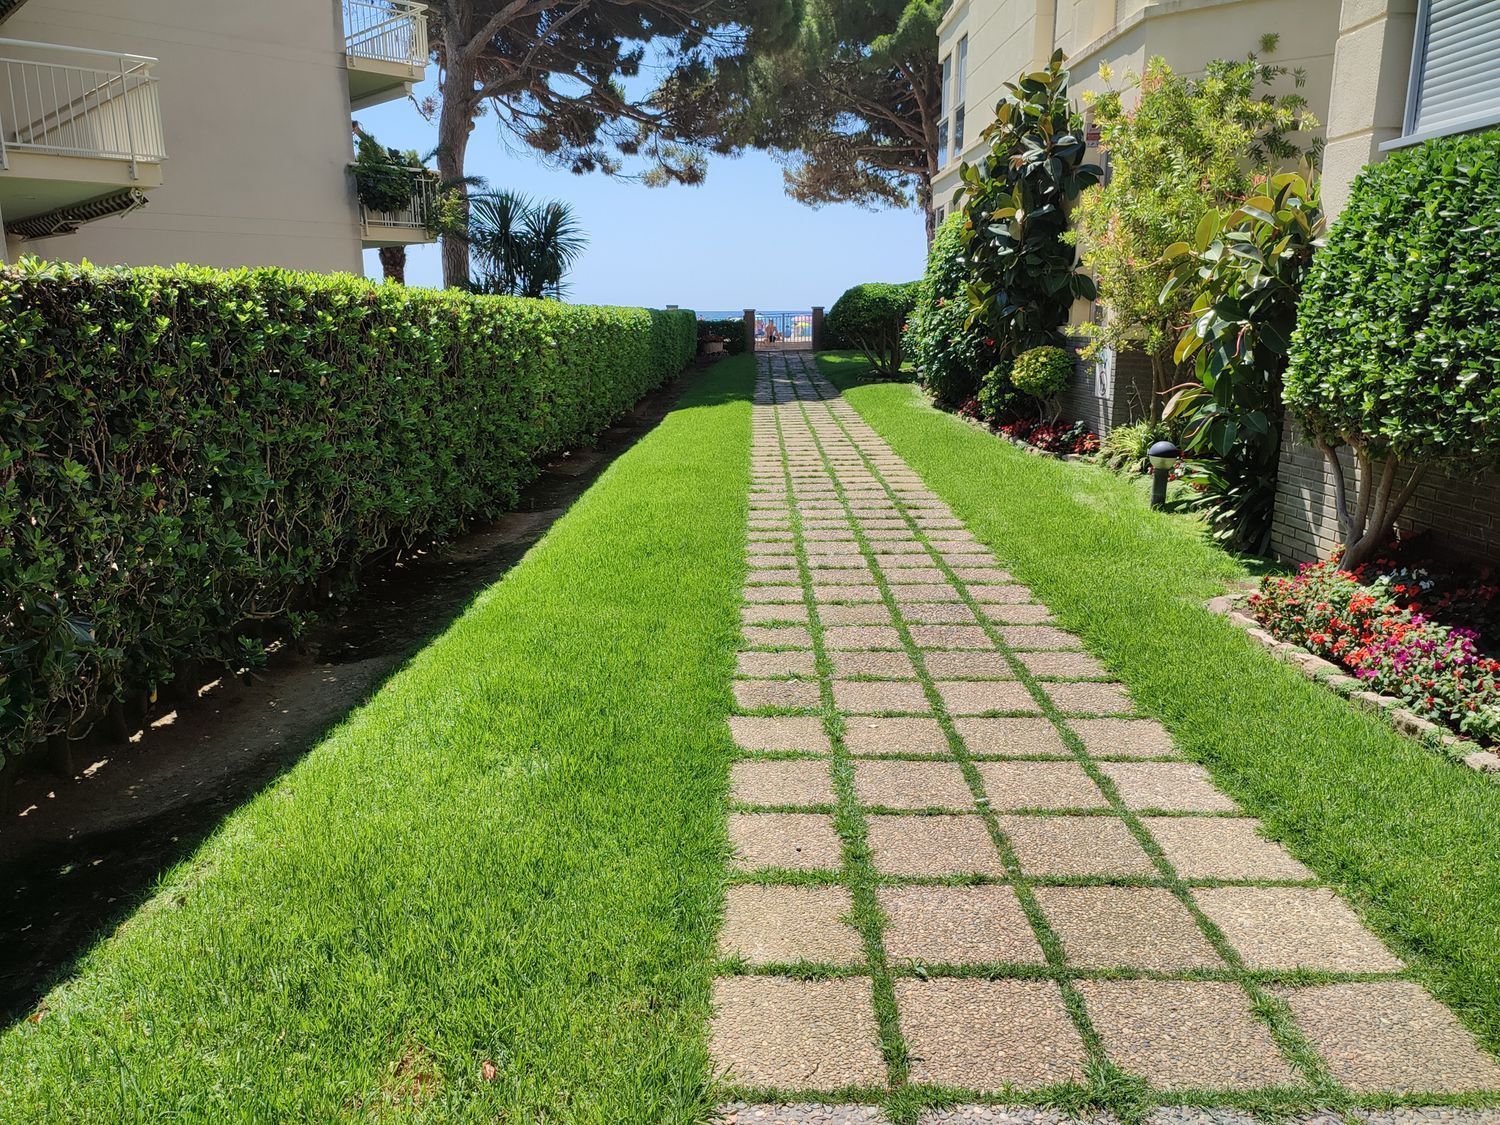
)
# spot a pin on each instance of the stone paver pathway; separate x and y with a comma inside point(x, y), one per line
point(965, 864)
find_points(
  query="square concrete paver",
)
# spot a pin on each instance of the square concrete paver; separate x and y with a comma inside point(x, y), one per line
point(1039, 638)
point(958, 926)
point(894, 736)
point(775, 664)
point(1018, 613)
point(1062, 665)
point(861, 638)
point(1091, 699)
point(755, 695)
point(933, 845)
point(1199, 1034)
point(846, 595)
point(1075, 845)
point(988, 1034)
point(1134, 927)
point(884, 665)
point(854, 615)
point(780, 925)
point(879, 697)
point(1124, 738)
point(779, 732)
point(1039, 785)
point(980, 697)
point(1221, 847)
point(1020, 736)
point(1171, 786)
point(798, 781)
point(774, 594)
point(777, 636)
point(1295, 928)
point(1000, 595)
point(911, 593)
point(1390, 1036)
point(795, 1034)
point(794, 841)
point(788, 613)
point(950, 637)
point(911, 785)
point(968, 666)
point(937, 613)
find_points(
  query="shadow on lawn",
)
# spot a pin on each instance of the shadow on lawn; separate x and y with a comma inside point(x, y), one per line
point(78, 854)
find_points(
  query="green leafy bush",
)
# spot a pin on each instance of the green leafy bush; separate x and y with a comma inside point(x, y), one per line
point(1243, 272)
point(1025, 274)
point(1042, 372)
point(1397, 347)
point(383, 177)
point(998, 396)
point(192, 460)
point(948, 353)
point(732, 331)
point(870, 319)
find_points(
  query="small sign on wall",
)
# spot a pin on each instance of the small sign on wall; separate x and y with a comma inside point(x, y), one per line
point(1104, 373)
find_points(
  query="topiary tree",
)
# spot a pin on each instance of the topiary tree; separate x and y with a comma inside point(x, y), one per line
point(1042, 373)
point(1024, 275)
point(1396, 352)
point(949, 354)
point(870, 318)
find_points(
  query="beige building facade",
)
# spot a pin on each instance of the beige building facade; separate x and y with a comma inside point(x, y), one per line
point(212, 132)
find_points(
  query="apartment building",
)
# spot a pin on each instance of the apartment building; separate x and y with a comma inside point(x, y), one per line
point(215, 132)
point(1379, 74)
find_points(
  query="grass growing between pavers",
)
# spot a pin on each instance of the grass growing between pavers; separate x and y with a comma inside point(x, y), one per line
point(492, 893)
point(1407, 836)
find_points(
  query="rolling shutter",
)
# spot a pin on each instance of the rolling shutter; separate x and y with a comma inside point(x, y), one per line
point(1458, 61)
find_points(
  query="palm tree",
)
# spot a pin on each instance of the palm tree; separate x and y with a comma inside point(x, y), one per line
point(524, 248)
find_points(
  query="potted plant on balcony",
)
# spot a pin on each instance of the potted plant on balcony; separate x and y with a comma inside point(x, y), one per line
point(711, 345)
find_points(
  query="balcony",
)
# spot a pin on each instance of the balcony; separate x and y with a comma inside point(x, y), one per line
point(385, 49)
point(80, 135)
point(408, 226)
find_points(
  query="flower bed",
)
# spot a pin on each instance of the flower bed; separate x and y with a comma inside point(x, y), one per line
point(1379, 632)
point(1067, 438)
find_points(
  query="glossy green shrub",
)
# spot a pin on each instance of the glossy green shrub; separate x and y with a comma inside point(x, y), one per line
point(949, 356)
point(870, 319)
point(192, 460)
point(733, 331)
point(1396, 352)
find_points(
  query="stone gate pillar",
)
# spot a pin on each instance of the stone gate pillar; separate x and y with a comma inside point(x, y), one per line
point(750, 330)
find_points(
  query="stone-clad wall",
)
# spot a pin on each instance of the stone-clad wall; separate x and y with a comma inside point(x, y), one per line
point(1465, 512)
point(1105, 402)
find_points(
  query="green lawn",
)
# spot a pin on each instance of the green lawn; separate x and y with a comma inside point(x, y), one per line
point(1413, 840)
point(513, 853)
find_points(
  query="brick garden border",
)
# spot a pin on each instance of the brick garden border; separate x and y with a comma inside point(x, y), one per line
point(1326, 672)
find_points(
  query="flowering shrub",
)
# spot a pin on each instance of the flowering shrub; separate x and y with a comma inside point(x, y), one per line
point(1438, 670)
point(1053, 437)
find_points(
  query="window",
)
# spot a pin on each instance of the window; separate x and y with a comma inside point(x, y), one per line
point(1455, 69)
point(943, 107)
point(961, 84)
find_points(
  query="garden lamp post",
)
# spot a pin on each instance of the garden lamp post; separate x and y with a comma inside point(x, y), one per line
point(1163, 455)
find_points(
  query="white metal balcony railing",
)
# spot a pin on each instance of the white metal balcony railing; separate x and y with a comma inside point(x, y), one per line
point(392, 31)
point(87, 103)
point(416, 215)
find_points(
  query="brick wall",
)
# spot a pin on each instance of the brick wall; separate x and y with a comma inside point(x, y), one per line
point(1464, 513)
point(1105, 402)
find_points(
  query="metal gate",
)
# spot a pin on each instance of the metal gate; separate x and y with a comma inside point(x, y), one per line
point(783, 330)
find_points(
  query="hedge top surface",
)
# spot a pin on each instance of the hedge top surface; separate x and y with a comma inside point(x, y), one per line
point(1397, 346)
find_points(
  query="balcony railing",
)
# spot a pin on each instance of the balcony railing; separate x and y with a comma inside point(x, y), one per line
point(419, 211)
point(393, 31)
point(69, 101)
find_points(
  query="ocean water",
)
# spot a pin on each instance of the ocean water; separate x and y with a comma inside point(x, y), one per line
point(735, 314)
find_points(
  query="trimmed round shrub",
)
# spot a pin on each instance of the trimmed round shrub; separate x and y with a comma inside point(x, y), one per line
point(949, 356)
point(1042, 372)
point(870, 318)
point(1396, 352)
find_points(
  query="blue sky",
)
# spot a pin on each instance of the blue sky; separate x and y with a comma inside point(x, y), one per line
point(735, 241)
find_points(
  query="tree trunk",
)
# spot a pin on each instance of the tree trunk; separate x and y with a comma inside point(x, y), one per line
point(1368, 525)
point(393, 263)
point(924, 200)
point(1158, 377)
point(455, 123)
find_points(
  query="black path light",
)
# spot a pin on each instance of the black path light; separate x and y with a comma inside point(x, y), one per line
point(1163, 456)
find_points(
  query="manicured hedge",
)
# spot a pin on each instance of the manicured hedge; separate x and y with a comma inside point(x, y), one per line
point(733, 331)
point(194, 460)
point(870, 318)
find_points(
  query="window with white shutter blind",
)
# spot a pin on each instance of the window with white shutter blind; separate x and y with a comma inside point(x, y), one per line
point(1455, 68)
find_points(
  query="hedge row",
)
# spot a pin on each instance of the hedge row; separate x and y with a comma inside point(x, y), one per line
point(193, 460)
point(733, 331)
